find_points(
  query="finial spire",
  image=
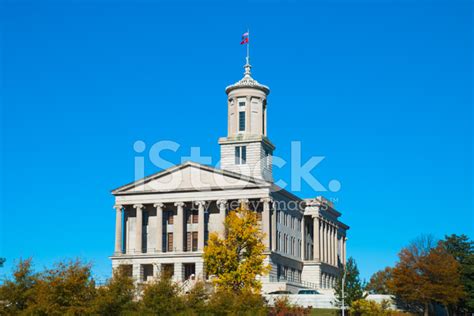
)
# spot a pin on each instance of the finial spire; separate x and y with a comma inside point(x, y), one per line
point(247, 66)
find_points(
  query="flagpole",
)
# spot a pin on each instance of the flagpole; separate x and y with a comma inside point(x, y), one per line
point(248, 47)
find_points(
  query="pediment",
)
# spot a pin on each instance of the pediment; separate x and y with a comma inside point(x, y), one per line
point(190, 177)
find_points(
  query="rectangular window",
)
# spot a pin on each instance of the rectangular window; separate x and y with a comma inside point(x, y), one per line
point(170, 217)
point(240, 155)
point(195, 241)
point(170, 242)
point(195, 217)
point(241, 121)
point(259, 216)
point(188, 241)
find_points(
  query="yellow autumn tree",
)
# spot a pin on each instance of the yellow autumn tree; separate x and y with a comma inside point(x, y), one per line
point(236, 260)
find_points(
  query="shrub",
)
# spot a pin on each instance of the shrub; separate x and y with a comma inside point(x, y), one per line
point(364, 307)
point(283, 307)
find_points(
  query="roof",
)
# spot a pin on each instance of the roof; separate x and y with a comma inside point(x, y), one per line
point(146, 184)
point(247, 82)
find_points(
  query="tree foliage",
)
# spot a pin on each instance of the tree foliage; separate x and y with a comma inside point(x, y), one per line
point(426, 276)
point(67, 288)
point(17, 293)
point(462, 249)
point(378, 283)
point(364, 307)
point(116, 297)
point(237, 260)
point(162, 297)
point(353, 287)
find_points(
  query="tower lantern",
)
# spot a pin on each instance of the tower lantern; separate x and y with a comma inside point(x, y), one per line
point(246, 149)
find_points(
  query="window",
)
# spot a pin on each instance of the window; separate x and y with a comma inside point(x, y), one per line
point(259, 216)
point(241, 121)
point(192, 216)
point(240, 155)
point(189, 241)
point(147, 272)
point(170, 242)
point(170, 217)
point(241, 103)
point(195, 241)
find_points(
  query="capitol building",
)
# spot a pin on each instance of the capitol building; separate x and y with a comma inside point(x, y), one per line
point(163, 220)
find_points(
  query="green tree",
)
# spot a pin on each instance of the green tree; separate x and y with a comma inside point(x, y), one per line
point(2, 261)
point(16, 294)
point(196, 299)
point(67, 288)
point(378, 283)
point(229, 302)
point(238, 259)
point(462, 249)
point(162, 297)
point(116, 297)
point(353, 287)
point(425, 277)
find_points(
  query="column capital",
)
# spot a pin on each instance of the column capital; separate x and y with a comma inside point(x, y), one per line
point(221, 202)
point(179, 204)
point(200, 203)
point(138, 206)
point(118, 207)
point(266, 200)
point(159, 205)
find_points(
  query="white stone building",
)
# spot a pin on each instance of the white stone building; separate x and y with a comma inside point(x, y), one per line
point(164, 220)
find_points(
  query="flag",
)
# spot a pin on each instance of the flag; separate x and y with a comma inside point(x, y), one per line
point(245, 38)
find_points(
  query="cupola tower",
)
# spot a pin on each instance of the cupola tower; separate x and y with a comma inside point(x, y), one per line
point(246, 149)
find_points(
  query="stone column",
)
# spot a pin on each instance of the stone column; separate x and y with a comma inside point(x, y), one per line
point(274, 228)
point(159, 226)
point(244, 203)
point(336, 244)
point(201, 224)
point(303, 239)
point(331, 245)
point(118, 229)
point(178, 232)
point(321, 244)
point(316, 256)
point(222, 204)
point(266, 221)
point(326, 242)
point(138, 228)
point(344, 239)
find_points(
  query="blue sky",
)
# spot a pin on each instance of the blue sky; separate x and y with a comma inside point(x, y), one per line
point(382, 89)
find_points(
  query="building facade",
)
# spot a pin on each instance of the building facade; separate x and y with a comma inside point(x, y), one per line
point(163, 221)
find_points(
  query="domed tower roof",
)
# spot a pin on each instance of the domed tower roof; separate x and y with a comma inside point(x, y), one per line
point(247, 82)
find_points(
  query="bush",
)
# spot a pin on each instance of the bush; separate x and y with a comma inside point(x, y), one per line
point(282, 307)
point(224, 302)
point(364, 307)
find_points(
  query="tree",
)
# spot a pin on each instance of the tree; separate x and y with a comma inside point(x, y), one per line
point(162, 297)
point(425, 277)
point(2, 261)
point(67, 288)
point(462, 249)
point(353, 287)
point(16, 294)
point(238, 259)
point(378, 283)
point(116, 297)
